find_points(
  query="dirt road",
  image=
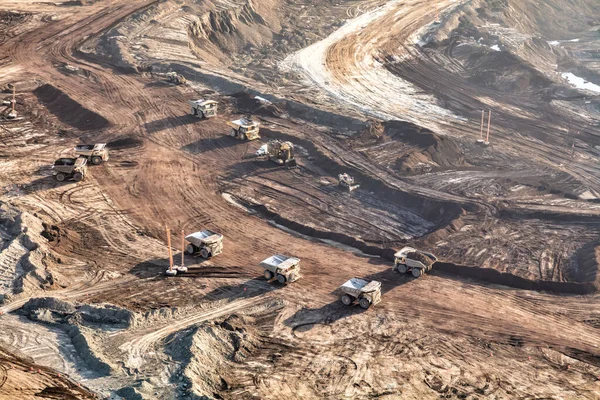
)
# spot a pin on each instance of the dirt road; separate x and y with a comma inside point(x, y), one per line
point(439, 335)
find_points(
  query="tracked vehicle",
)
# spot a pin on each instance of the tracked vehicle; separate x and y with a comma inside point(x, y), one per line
point(206, 242)
point(94, 153)
point(365, 292)
point(175, 78)
point(286, 269)
point(347, 182)
point(69, 168)
point(278, 151)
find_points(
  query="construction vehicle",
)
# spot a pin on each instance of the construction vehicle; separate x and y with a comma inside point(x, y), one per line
point(207, 243)
point(279, 152)
point(175, 78)
point(94, 153)
point(367, 293)
point(347, 182)
point(286, 269)
point(244, 129)
point(203, 108)
point(69, 168)
point(413, 260)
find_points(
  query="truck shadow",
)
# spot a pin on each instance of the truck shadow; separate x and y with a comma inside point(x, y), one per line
point(43, 183)
point(169, 123)
point(210, 144)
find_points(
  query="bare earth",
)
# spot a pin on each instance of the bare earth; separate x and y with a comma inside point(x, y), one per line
point(372, 88)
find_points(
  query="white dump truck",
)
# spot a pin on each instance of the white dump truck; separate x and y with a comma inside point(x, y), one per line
point(286, 269)
point(244, 129)
point(412, 260)
point(69, 168)
point(203, 108)
point(206, 242)
point(367, 293)
point(95, 153)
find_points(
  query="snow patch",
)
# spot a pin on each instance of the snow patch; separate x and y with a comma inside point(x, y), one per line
point(580, 83)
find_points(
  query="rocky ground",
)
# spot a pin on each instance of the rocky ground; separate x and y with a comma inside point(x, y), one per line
point(377, 89)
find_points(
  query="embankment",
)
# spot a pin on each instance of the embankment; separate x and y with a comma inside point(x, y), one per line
point(69, 111)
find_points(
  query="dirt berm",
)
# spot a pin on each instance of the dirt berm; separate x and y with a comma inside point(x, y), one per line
point(67, 110)
point(477, 273)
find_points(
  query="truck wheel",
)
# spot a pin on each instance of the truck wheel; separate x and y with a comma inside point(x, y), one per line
point(281, 278)
point(60, 177)
point(77, 176)
point(194, 111)
point(364, 303)
point(204, 253)
point(233, 133)
point(268, 275)
point(96, 160)
point(243, 136)
point(417, 272)
point(191, 249)
point(402, 268)
point(347, 300)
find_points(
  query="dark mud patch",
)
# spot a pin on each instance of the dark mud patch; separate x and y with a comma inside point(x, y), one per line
point(68, 111)
point(427, 147)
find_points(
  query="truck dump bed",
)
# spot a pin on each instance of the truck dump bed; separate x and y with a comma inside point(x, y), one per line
point(90, 147)
point(279, 261)
point(242, 122)
point(356, 286)
point(412, 254)
point(205, 236)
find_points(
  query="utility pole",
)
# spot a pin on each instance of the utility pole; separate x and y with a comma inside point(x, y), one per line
point(481, 128)
point(171, 271)
point(487, 139)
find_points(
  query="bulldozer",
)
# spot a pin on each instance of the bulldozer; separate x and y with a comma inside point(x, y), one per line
point(175, 78)
point(204, 108)
point(279, 151)
point(69, 168)
point(94, 153)
point(347, 182)
point(244, 129)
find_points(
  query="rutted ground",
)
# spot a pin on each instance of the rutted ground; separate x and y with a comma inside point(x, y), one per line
point(221, 330)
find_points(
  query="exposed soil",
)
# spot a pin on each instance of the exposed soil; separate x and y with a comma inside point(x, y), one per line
point(374, 89)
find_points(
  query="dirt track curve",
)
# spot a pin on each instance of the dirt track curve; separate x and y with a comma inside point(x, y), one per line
point(443, 335)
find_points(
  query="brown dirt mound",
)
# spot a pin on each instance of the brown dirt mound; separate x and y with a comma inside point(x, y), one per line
point(67, 110)
point(500, 70)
